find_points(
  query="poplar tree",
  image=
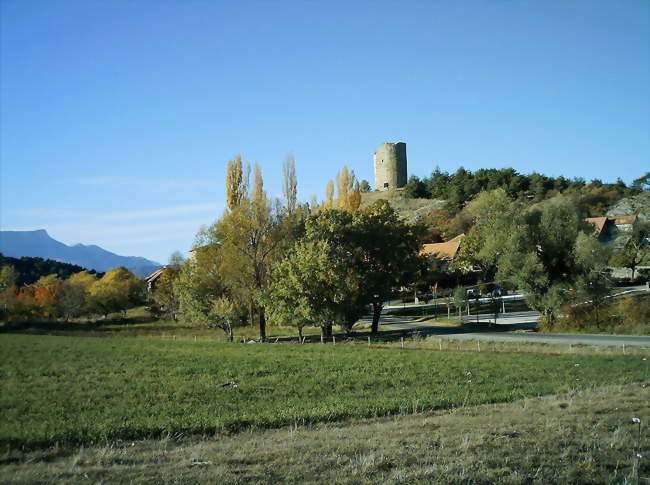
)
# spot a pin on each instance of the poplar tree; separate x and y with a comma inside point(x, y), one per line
point(236, 182)
point(329, 195)
point(343, 188)
point(250, 238)
point(354, 199)
point(290, 184)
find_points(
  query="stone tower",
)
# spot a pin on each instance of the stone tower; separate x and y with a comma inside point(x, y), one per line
point(390, 166)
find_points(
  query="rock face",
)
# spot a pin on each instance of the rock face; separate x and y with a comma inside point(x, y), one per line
point(637, 204)
point(390, 166)
point(39, 244)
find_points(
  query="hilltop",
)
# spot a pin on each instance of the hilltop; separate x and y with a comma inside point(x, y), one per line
point(413, 210)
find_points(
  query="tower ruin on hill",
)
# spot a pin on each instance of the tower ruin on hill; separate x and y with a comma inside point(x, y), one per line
point(390, 166)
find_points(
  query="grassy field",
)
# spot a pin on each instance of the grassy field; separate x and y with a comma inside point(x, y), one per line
point(75, 389)
point(580, 437)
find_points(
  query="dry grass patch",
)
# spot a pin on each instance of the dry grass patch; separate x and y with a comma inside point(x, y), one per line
point(580, 437)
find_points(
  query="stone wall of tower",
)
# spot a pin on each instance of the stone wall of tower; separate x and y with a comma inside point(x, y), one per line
point(390, 166)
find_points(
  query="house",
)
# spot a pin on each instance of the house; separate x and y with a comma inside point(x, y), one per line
point(444, 253)
point(614, 230)
point(602, 226)
point(152, 278)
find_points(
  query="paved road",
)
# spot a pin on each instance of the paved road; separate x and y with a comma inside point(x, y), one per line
point(393, 308)
point(516, 297)
point(521, 321)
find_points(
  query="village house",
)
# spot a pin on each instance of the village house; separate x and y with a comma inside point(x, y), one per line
point(613, 230)
point(443, 253)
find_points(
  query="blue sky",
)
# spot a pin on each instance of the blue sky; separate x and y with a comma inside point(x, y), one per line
point(118, 118)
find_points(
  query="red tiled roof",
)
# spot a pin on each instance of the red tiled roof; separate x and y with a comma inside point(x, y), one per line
point(598, 223)
point(624, 220)
point(444, 250)
point(155, 275)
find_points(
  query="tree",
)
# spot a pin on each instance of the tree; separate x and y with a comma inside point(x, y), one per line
point(415, 188)
point(165, 295)
point(492, 213)
point(236, 182)
point(7, 290)
point(203, 295)
point(46, 293)
point(539, 257)
point(380, 249)
point(354, 198)
point(343, 185)
point(250, 237)
point(8, 277)
point(364, 186)
point(117, 291)
point(224, 314)
point(290, 184)
point(329, 196)
point(74, 298)
point(593, 282)
point(460, 299)
point(635, 251)
point(316, 285)
point(643, 182)
point(387, 254)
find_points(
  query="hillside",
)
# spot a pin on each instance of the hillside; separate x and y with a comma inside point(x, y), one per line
point(29, 270)
point(39, 244)
point(413, 210)
point(636, 204)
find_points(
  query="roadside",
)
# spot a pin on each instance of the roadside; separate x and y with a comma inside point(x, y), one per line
point(511, 328)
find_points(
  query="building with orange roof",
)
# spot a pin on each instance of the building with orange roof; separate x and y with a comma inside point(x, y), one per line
point(153, 278)
point(445, 251)
point(615, 230)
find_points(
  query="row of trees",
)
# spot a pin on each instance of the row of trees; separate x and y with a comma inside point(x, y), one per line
point(82, 294)
point(28, 270)
point(464, 185)
point(295, 264)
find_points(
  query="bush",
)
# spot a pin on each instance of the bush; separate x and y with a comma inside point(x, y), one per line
point(629, 315)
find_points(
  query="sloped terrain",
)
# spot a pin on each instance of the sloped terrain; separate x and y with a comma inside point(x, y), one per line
point(413, 210)
point(637, 204)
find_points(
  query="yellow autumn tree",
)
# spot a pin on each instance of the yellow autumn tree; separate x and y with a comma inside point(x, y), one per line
point(329, 195)
point(236, 182)
point(354, 198)
point(343, 187)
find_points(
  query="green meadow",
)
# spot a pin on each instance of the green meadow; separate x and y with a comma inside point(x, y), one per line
point(83, 390)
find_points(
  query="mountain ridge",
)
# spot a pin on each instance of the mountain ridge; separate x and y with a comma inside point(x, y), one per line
point(38, 243)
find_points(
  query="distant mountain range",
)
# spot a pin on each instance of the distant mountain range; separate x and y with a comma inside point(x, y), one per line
point(39, 244)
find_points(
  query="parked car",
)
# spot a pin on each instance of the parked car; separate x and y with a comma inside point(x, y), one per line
point(473, 293)
point(499, 292)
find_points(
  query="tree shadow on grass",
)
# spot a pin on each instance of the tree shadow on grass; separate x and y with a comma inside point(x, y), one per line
point(116, 324)
point(387, 336)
